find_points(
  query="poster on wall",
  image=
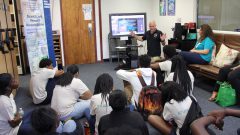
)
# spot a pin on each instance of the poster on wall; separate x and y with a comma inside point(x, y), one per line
point(87, 11)
point(38, 31)
point(162, 7)
point(171, 8)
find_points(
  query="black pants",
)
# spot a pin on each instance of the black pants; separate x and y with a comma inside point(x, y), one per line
point(160, 76)
point(232, 76)
point(49, 88)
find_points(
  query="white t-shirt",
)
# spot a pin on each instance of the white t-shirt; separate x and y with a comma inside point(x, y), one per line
point(8, 109)
point(177, 111)
point(132, 78)
point(166, 66)
point(64, 98)
point(38, 84)
point(99, 108)
point(170, 78)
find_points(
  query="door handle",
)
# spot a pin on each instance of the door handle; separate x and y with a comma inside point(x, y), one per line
point(90, 29)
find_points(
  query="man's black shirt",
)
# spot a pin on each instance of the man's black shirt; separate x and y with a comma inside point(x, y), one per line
point(153, 43)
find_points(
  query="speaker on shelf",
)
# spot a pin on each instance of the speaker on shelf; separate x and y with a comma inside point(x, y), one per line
point(178, 31)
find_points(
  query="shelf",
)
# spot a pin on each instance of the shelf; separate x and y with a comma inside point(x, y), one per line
point(57, 47)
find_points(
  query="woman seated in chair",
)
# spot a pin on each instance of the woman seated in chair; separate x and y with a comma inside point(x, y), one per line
point(202, 52)
point(230, 74)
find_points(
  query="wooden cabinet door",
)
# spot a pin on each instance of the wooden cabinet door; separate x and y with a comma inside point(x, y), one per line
point(79, 40)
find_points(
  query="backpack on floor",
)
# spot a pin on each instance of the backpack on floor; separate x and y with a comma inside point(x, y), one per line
point(150, 98)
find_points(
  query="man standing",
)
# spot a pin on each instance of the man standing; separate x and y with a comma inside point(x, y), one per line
point(154, 37)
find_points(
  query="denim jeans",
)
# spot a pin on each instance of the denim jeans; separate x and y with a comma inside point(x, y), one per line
point(80, 109)
point(193, 58)
point(68, 127)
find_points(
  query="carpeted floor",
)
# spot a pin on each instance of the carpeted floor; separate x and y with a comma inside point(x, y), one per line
point(89, 73)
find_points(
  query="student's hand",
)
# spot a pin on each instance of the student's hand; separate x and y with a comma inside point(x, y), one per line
point(234, 68)
point(132, 34)
point(14, 84)
point(163, 37)
point(140, 45)
point(16, 121)
point(219, 114)
point(86, 95)
point(58, 73)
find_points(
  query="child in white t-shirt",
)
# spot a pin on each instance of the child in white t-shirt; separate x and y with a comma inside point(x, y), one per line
point(99, 102)
point(181, 75)
point(176, 106)
point(10, 119)
point(42, 82)
point(163, 68)
point(71, 96)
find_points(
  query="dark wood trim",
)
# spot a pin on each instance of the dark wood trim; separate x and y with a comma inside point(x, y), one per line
point(95, 34)
point(100, 27)
point(63, 49)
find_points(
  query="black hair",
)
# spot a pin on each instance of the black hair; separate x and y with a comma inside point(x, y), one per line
point(5, 81)
point(181, 75)
point(64, 79)
point(169, 51)
point(144, 61)
point(172, 90)
point(73, 69)
point(123, 130)
point(118, 100)
point(104, 85)
point(44, 120)
point(44, 63)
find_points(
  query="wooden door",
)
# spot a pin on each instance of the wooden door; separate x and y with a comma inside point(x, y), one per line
point(79, 40)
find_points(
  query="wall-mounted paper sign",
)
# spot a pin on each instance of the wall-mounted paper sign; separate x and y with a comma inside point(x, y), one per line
point(87, 11)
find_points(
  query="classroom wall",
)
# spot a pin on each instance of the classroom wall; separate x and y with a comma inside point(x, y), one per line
point(122, 6)
point(185, 9)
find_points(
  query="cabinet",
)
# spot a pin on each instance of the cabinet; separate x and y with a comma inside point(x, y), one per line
point(8, 63)
point(118, 48)
point(14, 24)
point(57, 47)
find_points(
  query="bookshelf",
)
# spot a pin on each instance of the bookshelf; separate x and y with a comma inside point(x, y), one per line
point(57, 47)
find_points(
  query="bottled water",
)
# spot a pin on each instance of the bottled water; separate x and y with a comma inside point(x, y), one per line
point(21, 112)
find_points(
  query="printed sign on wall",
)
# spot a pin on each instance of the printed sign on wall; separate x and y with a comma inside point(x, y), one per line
point(38, 31)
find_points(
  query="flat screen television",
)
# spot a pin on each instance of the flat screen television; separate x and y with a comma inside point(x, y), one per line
point(122, 24)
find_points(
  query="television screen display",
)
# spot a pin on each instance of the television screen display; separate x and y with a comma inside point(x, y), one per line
point(122, 24)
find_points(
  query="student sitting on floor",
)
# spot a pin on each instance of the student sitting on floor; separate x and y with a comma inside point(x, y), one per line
point(179, 107)
point(121, 116)
point(132, 76)
point(45, 121)
point(181, 75)
point(163, 68)
point(71, 96)
point(10, 119)
point(199, 126)
point(42, 82)
point(99, 105)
